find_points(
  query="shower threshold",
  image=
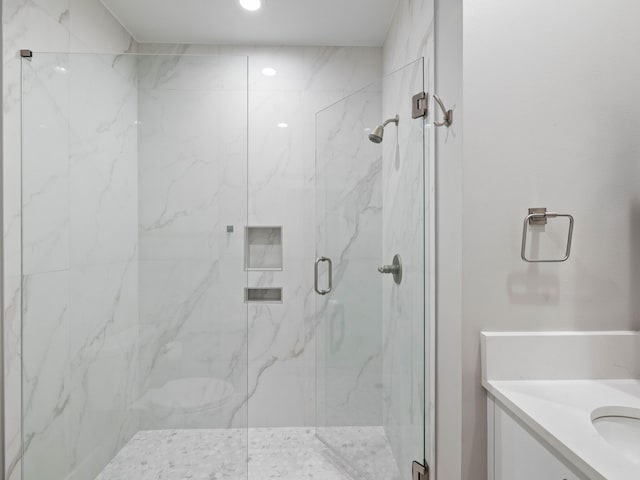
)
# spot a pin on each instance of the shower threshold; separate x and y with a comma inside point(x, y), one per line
point(273, 453)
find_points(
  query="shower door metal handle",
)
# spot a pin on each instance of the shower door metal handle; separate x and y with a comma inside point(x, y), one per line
point(319, 260)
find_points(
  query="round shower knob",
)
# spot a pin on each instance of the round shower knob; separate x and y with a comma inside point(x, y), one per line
point(395, 269)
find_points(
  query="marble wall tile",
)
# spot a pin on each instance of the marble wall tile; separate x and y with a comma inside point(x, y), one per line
point(339, 69)
point(40, 26)
point(45, 262)
point(282, 357)
point(103, 364)
point(282, 182)
point(45, 165)
point(192, 185)
point(204, 73)
point(94, 151)
point(93, 29)
point(410, 37)
point(45, 361)
point(404, 304)
point(102, 159)
point(349, 212)
point(191, 328)
point(13, 375)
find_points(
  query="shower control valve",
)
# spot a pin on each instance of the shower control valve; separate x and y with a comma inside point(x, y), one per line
point(389, 269)
point(395, 269)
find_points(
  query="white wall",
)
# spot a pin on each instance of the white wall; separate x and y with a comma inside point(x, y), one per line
point(448, 183)
point(551, 120)
point(59, 25)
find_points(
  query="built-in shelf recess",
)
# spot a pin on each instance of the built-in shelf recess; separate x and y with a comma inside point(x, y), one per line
point(263, 248)
point(263, 295)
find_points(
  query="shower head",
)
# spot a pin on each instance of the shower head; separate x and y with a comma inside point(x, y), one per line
point(378, 133)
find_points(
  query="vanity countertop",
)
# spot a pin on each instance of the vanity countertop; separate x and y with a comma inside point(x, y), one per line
point(559, 411)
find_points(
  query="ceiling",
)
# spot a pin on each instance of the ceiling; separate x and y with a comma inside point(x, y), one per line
point(279, 22)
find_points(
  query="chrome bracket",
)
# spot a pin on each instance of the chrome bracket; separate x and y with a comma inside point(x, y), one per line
point(419, 471)
point(540, 217)
point(27, 54)
point(420, 105)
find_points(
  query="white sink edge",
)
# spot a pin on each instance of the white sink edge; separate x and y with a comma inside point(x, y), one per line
point(615, 411)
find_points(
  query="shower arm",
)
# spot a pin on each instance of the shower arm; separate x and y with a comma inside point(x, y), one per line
point(395, 120)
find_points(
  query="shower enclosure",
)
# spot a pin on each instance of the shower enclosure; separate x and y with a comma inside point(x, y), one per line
point(370, 205)
point(133, 316)
point(143, 279)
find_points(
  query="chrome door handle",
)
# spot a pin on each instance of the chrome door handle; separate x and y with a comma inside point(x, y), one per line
point(315, 275)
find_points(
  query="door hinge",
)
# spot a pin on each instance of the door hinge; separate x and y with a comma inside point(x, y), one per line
point(420, 105)
point(419, 471)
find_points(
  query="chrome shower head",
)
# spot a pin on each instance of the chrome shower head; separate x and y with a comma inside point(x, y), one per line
point(378, 133)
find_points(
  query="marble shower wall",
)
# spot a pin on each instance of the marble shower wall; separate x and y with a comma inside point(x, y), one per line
point(80, 265)
point(193, 185)
point(282, 343)
point(281, 338)
point(349, 231)
point(282, 357)
point(409, 225)
point(404, 305)
point(41, 25)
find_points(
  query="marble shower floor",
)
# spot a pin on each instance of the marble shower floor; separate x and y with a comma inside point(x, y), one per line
point(273, 453)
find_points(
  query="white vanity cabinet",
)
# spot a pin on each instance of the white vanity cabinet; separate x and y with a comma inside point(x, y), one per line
point(515, 454)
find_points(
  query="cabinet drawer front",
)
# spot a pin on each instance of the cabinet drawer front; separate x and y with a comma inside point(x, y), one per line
point(518, 455)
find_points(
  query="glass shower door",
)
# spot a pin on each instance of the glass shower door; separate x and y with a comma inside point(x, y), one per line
point(134, 326)
point(371, 338)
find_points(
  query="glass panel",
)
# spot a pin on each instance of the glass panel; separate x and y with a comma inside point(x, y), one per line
point(134, 321)
point(371, 331)
point(403, 232)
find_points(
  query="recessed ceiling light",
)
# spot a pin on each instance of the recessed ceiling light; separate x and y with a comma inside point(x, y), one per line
point(60, 69)
point(269, 71)
point(283, 125)
point(251, 5)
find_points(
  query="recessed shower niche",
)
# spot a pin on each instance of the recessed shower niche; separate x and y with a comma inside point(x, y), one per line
point(263, 295)
point(263, 248)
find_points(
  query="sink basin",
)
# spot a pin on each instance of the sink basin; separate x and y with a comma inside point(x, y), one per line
point(620, 427)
